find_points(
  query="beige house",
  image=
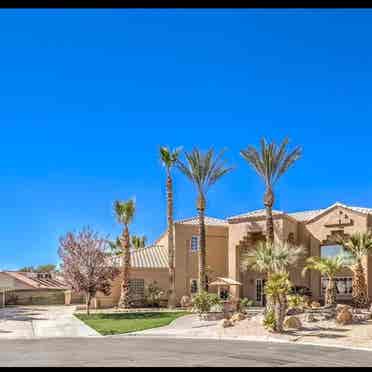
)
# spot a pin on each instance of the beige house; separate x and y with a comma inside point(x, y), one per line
point(228, 239)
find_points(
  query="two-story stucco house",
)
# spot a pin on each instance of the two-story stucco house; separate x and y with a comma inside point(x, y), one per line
point(227, 239)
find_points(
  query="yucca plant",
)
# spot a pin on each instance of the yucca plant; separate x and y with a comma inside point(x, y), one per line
point(125, 213)
point(270, 162)
point(169, 159)
point(203, 169)
point(328, 267)
point(358, 245)
point(277, 289)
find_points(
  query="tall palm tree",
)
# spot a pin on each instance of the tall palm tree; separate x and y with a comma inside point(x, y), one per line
point(124, 214)
point(328, 267)
point(270, 163)
point(169, 159)
point(358, 245)
point(139, 241)
point(203, 169)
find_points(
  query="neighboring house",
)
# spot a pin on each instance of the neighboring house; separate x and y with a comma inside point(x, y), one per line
point(227, 239)
point(27, 288)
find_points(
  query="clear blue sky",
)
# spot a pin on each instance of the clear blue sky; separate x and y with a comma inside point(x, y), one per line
point(88, 96)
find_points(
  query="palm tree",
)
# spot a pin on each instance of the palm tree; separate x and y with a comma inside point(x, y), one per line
point(139, 241)
point(358, 245)
point(270, 163)
point(115, 247)
point(328, 267)
point(169, 159)
point(124, 214)
point(272, 258)
point(203, 169)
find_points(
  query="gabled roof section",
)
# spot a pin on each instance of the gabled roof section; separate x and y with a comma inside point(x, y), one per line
point(362, 210)
point(209, 221)
point(33, 281)
point(303, 216)
point(254, 214)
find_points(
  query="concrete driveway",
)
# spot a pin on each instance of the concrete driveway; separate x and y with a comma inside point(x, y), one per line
point(27, 322)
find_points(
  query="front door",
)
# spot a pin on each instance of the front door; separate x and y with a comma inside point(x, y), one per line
point(260, 294)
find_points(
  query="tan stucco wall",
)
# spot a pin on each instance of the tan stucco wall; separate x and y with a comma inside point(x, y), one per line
point(187, 262)
point(149, 275)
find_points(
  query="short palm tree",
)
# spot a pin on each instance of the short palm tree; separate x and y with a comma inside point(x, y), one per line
point(271, 162)
point(328, 267)
point(270, 258)
point(139, 241)
point(203, 169)
point(169, 159)
point(358, 245)
point(124, 214)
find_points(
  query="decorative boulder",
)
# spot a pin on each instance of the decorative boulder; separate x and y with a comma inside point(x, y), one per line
point(226, 323)
point(315, 305)
point(310, 318)
point(185, 301)
point(292, 322)
point(341, 307)
point(237, 317)
point(344, 317)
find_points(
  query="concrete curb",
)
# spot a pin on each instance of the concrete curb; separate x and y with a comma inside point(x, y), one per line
point(244, 338)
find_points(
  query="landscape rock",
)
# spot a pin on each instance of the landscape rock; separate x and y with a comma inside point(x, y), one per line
point(293, 322)
point(226, 323)
point(237, 317)
point(344, 317)
point(185, 301)
point(315, 305)
point(311, 318)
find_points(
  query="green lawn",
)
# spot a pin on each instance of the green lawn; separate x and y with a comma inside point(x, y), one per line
point(112, 324)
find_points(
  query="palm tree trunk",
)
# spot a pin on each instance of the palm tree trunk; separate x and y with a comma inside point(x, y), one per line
point(202, 244)
point(172, 282)
point(124, 301)
point(359, 290)
point(330, 295)
point(269, 202)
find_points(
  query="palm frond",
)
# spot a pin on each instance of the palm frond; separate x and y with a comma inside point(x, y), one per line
point(125, 211)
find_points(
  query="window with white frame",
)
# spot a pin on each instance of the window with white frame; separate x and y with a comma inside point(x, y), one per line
point(344, 285)
point(193, 286)
point(194, 243)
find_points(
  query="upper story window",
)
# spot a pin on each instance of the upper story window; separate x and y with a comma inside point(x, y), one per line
point(194, 243)
point(331, 251)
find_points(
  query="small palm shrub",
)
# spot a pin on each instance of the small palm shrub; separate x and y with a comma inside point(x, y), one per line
point(296, 301)
point(204, 301)
point(245, 303)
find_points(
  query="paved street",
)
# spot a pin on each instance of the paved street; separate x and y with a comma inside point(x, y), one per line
point(145, 351)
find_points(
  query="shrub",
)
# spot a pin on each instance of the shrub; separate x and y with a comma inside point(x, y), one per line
point(203, 302)
point(245, 303)
point(153, 294)
point(269, 321)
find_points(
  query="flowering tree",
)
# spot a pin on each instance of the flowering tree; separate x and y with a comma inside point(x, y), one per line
point(85, 263)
